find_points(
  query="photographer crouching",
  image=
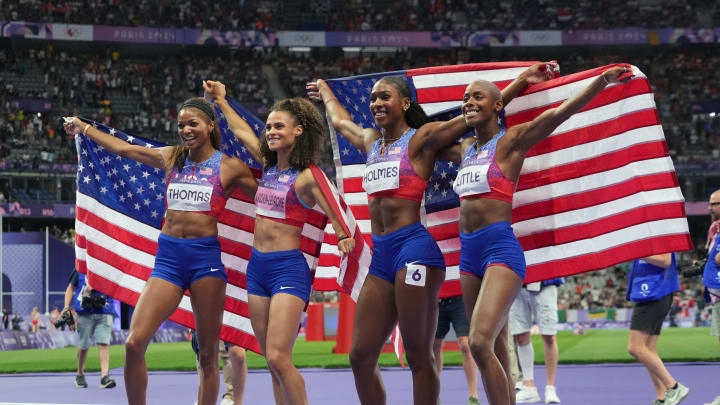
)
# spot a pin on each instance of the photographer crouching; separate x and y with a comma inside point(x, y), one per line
point(95, 312)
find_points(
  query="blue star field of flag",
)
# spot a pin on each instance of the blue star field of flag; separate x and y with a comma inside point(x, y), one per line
point(354, 94)
point(127, 186)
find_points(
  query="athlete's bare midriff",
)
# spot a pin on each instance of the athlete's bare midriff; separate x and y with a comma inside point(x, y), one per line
point(186, 225)
point(390, 214)
point(477, 213)
point(274, 236)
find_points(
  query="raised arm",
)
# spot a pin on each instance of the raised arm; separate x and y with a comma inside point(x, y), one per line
point(361, 138)
point(154, 157)
point(239, 127)
point(536, 73)
point(542, 126)
point(440, 135)
point(240, 176)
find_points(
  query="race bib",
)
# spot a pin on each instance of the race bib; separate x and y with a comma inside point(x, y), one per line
point(381, 176)
point(472, 180)
point(189, 197)
point(270, 202)
point(416, 274)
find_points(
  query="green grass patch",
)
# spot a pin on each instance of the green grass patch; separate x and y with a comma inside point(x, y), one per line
point(596, 346)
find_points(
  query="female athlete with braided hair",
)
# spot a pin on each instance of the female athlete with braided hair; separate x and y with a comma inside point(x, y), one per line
point(278, 277)
point(188, 255)
point(407, 268)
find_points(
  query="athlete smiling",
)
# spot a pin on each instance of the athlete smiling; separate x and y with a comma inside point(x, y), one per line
point(278, 276)
point(407, 268)
point(200, 179)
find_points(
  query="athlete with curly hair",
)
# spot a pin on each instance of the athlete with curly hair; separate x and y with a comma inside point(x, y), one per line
point(278, 277)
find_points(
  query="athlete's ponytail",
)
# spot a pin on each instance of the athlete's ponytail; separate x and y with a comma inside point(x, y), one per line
point(414, 116)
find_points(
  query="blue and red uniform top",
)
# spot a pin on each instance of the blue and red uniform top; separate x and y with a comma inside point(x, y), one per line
point(277, 199)
point(197, 188)
point(479, 175)
point(389, 173)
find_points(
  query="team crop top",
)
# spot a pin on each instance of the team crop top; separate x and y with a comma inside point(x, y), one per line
point(197, 188)
point(391, 174)
point(480, 176)
point(277, 199)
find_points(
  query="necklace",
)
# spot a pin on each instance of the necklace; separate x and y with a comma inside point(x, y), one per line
point(477, 142)
point(384, 143)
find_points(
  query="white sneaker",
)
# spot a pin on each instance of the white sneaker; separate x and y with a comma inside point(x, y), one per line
point(519, 385)
point(674, 396)
point(550, 395)
point(227, 401)
point(527, 395)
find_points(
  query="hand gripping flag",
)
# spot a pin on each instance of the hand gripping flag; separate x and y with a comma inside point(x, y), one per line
point(120, 206)
point(319, 242)
point(600, 190)
point(438, 90)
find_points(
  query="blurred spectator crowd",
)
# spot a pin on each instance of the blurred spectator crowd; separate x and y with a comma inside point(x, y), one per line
point(363, 15)
point(140, 94)
point(607, 288)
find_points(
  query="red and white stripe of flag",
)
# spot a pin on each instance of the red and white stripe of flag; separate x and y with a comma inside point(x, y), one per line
point(118, 254)
point(438, 89)
point(602, 188)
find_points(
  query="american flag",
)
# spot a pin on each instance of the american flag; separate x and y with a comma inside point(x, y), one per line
point(120, 206)
point(601, 190)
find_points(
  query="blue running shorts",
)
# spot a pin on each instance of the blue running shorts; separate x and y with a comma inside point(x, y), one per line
point(493, 245)
point(183, 261)
point(285, 271)
point(410, 244)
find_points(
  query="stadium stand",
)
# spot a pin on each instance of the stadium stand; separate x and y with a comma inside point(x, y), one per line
point(336, 15)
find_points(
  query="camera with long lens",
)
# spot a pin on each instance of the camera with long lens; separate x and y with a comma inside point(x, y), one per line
point(93, 301)
point(695, 269)
point(66, 318)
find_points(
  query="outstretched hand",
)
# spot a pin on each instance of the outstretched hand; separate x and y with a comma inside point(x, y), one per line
point(313, 89)
point(618, 74)
point(216, 90)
